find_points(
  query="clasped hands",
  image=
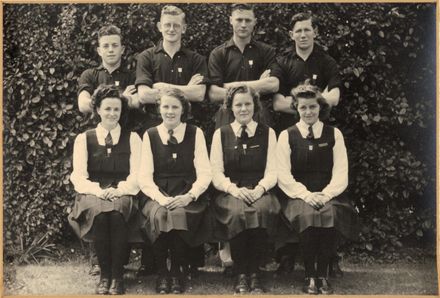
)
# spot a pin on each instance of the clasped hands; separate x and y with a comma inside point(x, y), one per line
point(250, 196)
point(110, 194)
point(175, 202)
point(317, 199)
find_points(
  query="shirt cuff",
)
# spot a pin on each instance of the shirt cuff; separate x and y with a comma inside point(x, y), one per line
point(263, 186)
point(328, 194)
point(302, 195)
point(195, 192)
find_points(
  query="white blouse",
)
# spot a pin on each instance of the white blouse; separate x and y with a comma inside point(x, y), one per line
point(201, 162)
point(295, 189)
point(220, 181)
point(80, 175)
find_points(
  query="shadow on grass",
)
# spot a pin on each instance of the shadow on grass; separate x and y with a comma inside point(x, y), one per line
point(72, 278)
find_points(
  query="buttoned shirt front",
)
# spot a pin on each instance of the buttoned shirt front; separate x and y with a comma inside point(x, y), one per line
point(228, 64)
point(91, 78)
point(319, 67)
point(155, 65)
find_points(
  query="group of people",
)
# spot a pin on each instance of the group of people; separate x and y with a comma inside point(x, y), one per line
point(265, 190)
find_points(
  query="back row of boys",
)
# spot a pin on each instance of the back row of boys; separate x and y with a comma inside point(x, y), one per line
point(238, 61)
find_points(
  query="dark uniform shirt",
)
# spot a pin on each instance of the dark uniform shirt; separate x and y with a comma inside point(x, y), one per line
point(319, 67)
point(91, 78)
point(228, 64)
point(155, 65)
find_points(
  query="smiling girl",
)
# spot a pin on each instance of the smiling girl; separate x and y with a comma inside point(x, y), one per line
point(313, 174)
point(244, 171)
point(174, 173)
point(105, 164)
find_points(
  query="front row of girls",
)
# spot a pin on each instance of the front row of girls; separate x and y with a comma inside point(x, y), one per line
point(172, 170)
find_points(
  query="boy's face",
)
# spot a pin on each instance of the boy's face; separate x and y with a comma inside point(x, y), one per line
point(243, 23)
point(110, 49)
point(303, 34)
point(172, 27)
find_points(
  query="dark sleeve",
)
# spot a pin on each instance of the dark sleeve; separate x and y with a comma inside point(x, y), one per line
point(269, 57)
point(331, 73)
point(283, 75)
point(201, 67)
point(144, 70)
point(132, 78)
point(87, 81)
point(215, 67)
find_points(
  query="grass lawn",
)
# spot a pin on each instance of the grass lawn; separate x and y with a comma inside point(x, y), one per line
point(71, 278)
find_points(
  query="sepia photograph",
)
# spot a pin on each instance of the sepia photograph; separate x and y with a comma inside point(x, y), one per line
point(219, 149)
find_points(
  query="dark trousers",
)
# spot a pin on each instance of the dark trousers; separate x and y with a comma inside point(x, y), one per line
point(173, 245)
point(111, 243)
point(248, 249)
point(92, 254)
point(317, 247)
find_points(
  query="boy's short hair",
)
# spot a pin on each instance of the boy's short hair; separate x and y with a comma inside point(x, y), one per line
point(173, 11)
point(241, 6)
point(303, 16)
point(109, 30)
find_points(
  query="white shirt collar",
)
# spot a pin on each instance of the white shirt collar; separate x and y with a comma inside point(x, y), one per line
point(101, 130)
point(251, 127)
point(101, 133)
point(181, 127)
point(316, 127)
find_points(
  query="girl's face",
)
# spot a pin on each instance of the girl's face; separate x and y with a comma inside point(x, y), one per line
point(110, 112)
point(308, 109)
point(171, 110)
point(243, 107)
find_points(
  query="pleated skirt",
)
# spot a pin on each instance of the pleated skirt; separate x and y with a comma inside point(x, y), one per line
point(338, 213)
point(231, 216)
point(187, 220)
point(87, 207)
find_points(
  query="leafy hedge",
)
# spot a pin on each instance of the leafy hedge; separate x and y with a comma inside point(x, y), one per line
point(386, 54)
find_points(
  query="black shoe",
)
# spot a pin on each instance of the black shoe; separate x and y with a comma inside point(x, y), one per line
point(103, 286)
point(117, 287)
point(310, 286)
point(95, 270)
point(242, 287)
point(162, 285)
point(255, 284)
point(324, 286)
point(176, 287)
point(145, 271)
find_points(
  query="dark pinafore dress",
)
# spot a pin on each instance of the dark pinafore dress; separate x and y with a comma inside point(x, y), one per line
point(312, 164)
point(245, 168)
point(174, 174)
point(108, 171)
